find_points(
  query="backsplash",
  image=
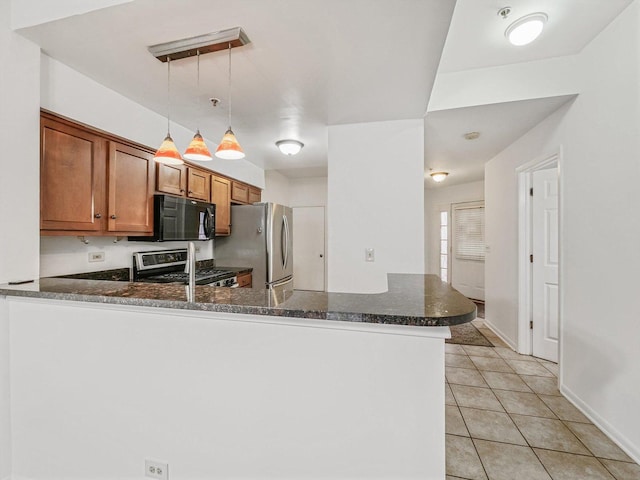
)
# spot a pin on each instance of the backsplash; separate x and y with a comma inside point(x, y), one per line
point(68, 255)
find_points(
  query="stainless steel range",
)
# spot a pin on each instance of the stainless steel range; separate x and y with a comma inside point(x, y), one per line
point(168, 266)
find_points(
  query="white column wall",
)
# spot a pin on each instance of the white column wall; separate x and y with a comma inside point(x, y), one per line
point(600, 231)
point(19, 188)
point(375, 200)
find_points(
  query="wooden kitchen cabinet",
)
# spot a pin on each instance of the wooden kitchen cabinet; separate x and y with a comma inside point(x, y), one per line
point(239, 192)
point(91, 184)
point(131, 188)
point(245, 280)
point(72, 178)
point(221, 196)
point(171, 179)
point(198, 184)
point(255, 195)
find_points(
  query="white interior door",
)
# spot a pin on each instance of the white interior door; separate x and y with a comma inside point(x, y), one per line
point(308, 248)
point(467, 249)
point(545, 307)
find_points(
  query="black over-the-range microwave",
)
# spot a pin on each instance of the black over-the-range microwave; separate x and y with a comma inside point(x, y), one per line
point(177, 218)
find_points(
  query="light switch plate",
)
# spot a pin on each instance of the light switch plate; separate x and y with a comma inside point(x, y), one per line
point(369, 255)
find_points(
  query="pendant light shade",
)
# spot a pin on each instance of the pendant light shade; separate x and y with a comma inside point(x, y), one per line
point(168, 153)
point(197, 149)
point(229, 148)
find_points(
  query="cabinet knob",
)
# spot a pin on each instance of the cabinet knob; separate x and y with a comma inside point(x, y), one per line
point(98, 215)
point(182, 190)
point(190, 192)
point(114, 217)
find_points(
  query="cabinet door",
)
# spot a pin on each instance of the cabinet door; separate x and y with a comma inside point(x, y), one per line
point(198, 184)
point(130, 189)
point(239, 192)
point(171, 179)
point(255, 195)
point(244, 280)
point(72, 178)
point(221, 196)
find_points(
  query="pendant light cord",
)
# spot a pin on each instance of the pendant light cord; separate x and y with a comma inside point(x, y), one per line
point(168, 95)
point(229, 86)
point(198, 84)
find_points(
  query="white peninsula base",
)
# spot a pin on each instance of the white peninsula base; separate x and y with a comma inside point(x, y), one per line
point(96, 389)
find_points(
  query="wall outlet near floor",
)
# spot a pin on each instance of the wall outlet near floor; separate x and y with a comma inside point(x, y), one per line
point(369, 255)
point(156, 469)
point(96, 256)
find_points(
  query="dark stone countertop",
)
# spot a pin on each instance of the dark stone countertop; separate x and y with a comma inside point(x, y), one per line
point(417, 300)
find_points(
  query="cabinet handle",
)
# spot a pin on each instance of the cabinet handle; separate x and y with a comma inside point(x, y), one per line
point(190, 192)
point(182, 190)
point(98, 215)
point(113, 217)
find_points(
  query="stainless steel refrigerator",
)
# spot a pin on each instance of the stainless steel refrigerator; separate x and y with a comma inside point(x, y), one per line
point(261, 237)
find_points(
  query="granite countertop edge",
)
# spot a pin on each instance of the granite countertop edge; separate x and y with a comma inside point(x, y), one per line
point(408, 302)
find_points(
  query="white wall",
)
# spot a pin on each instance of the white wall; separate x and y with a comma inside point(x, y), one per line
point(26, 13)
point(440, 199)
point(375, 200)
point(19, 188)
point(99, 388)
point(276, 188)
point(600, 231)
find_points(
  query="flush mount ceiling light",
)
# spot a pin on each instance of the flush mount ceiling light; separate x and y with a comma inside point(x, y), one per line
point(439, 176)
point(526, 29)
point(289, 147)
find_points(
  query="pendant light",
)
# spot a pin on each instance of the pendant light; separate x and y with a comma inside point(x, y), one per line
point(168, 153)
point(229, 148)
point(197, 149)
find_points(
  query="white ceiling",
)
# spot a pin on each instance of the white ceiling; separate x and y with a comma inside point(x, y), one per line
point(310, 64)
point(315, 63)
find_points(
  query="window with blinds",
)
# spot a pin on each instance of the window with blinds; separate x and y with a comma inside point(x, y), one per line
point(469, 233)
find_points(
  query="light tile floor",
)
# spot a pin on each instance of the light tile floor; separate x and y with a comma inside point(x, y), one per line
point(506, 420)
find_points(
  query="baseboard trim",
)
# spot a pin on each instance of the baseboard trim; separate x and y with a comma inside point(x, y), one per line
point(614, 435)
point(500, 335)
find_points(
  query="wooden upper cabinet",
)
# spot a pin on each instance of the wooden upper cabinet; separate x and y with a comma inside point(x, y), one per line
point(198, 184)
point(72, 174)
point(239, 192)
point(221, 196)
point(255, 195)
point(131, 188)
point(171, 179)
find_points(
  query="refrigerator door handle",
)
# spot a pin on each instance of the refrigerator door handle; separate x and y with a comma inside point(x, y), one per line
point(285, 222)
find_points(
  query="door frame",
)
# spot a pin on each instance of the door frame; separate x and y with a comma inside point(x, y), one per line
point(525, 244)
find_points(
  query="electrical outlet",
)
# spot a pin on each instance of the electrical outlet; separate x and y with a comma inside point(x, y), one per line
point(369, 255)
point(197, 249)
point(156, 469)
point(96, 256)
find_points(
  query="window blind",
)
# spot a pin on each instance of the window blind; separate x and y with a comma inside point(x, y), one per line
point(469, 233)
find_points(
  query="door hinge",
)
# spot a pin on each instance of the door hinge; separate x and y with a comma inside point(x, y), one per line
point(531, 258)
point(531, 324)
point(531, 191)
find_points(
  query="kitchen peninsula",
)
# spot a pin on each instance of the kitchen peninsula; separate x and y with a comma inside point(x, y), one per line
point(263, 384)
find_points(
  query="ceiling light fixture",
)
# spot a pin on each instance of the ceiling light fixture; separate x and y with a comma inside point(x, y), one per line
point(289, 147)
point(168, 153)
point(197, 149)
point(439, 176)
point(526, 29)
point(229, 148)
